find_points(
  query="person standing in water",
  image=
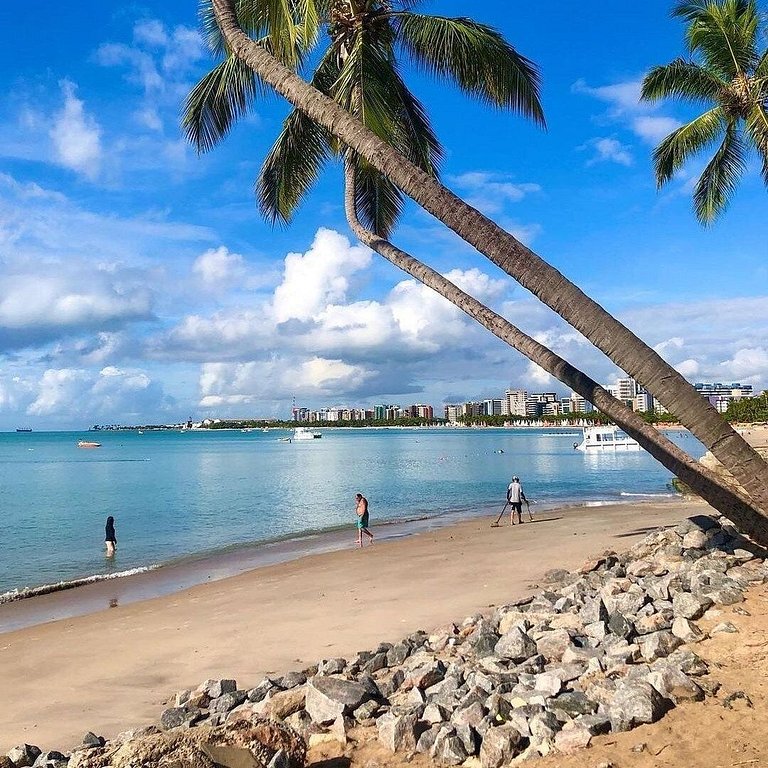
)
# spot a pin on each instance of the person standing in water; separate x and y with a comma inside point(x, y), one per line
point(515, 499)
point(109, 537)
point(361, 507)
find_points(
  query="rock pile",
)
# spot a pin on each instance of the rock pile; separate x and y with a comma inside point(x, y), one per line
point(601, 650)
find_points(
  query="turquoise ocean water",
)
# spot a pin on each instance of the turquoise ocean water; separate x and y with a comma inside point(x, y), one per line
point(180, 494)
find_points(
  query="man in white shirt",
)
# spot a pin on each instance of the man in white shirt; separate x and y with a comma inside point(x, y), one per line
point(515, 498)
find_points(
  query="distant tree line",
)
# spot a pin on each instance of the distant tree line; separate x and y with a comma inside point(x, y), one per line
point(748, 410)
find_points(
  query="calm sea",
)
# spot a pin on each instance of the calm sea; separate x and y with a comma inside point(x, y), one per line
point(179, 494)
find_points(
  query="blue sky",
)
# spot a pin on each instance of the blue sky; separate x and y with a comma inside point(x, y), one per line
point(138, 283)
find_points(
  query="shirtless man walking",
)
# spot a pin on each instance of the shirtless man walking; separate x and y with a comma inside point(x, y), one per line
point(361, 507)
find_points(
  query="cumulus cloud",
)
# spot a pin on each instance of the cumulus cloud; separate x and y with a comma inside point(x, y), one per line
point(236, 384)
point(607, 149)
point(76, 135)
point(112, 393)
point(219, 267)
point(318, 277)
point(36, 308)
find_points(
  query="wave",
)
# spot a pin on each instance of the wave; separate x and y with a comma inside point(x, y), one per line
point(650, 495)
point(45, 589)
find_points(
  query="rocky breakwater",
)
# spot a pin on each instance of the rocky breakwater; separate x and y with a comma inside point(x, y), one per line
point(596, 651)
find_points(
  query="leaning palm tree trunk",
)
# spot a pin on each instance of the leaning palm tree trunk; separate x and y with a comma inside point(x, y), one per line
point(701, 480)
point(532, 272)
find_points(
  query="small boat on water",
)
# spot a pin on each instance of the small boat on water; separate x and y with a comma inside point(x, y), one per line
point(600, 439)
point(23, 429)
point(302, 433)
point(88, 444)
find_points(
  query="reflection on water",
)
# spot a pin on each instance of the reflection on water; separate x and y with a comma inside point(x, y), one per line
point(174, 495)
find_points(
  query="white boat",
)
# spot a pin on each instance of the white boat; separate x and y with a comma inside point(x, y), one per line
point(606, 439)
point(88, 444)
point(302, 433)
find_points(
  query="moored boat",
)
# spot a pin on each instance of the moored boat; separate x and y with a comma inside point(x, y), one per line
point(302, 433)
point(88, 444)
point(606, 439)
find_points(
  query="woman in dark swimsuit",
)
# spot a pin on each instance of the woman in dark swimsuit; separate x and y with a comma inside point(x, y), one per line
point(110, 537)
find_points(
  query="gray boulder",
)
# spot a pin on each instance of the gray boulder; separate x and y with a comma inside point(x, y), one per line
point(397, 732)
point(634, 703)
point(499, 746)
point(329, 697)
point(24, 755)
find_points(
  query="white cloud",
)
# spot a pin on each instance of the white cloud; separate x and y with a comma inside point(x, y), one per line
point(653, 129)
point(622, 97)
point(625, 107)
point(234, 384)
point(76, 136)
point(689, 368)
point(608, 149)
point(491, 192)
point(57, 391)
point(748, 363)
point(318, 277)
point(219, 267)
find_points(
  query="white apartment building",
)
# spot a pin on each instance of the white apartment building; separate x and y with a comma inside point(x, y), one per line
point(516, 400)
point(579, 404)
point(453, 413)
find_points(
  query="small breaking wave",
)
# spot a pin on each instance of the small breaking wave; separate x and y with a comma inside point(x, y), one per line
point(46, 589)
point(649, 495)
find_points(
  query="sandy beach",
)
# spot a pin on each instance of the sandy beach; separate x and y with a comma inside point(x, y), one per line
point(115, 669)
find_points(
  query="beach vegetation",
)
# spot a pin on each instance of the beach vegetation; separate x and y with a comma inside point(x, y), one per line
point(748, 410)
point(620, 344)
point(728, 74)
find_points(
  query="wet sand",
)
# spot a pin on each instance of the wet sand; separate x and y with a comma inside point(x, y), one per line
point(115, 669)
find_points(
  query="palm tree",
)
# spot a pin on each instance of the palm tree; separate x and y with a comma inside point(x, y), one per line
point(359, 71)
point(729, 75)
point(700, 479)
point(545, 282)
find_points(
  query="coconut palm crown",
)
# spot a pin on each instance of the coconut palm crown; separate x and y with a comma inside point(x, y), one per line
point(361, 70)
point(729, 75)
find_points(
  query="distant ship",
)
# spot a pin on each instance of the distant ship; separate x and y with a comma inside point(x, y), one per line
point(23, 429)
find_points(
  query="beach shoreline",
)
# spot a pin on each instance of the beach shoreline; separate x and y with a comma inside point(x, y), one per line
point(116, 668)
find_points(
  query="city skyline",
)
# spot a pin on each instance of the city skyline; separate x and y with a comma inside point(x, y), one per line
point(139, 284)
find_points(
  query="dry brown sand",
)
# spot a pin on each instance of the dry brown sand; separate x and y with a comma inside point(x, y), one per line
point(695, 735)
point(114, 670)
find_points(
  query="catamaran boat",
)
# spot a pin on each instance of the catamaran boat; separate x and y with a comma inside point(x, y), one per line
point(606, 439)
point(302, 433)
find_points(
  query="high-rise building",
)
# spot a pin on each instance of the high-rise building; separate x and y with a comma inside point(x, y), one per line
point(453, 413)
point(492, 407)
point(515, 402)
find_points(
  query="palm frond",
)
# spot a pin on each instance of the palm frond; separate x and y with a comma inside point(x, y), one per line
point(718, 182)
point(379, 202)
point(290, 26)
point(297, 156)
point(370, 86)
point(757, 130)
point(213, 105)
point(292, 167)
point(680, 79)
point(675, 149)
point(476, 57)
point(723, 32)
point(761, 69)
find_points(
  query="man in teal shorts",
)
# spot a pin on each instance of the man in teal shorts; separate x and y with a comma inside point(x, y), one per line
point(362, 518)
